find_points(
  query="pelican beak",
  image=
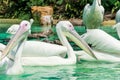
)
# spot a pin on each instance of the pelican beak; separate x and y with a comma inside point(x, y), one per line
point(75, 37)
point(20, 36)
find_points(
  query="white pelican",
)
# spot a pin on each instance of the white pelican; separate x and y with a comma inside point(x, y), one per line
point(100, 40)
point(117, 17)
point(12, 66)
point(93, 15)
point(64, 29)
point(38, 48)
point(107, 48)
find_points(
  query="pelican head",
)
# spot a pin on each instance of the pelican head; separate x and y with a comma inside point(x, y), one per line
point(67, 29)
point(13, 28)
point(19, 37)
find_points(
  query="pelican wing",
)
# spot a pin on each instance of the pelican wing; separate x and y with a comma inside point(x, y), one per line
point(101, 41)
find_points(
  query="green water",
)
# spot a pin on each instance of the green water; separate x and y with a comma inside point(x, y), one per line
point(81, 71)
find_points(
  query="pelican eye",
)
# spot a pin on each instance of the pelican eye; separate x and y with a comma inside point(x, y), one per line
point(26, 24)
point(71, 27)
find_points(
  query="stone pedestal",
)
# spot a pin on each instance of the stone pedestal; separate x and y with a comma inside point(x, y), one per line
point(44, 15)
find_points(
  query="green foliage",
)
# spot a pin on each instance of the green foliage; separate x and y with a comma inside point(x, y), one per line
point(74, 8)
point(116, 6)
point(35, 3)
point(59, 2)
point(62, 8)
point(111, 5)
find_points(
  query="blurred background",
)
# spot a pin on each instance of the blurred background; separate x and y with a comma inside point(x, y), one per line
point(64, 9)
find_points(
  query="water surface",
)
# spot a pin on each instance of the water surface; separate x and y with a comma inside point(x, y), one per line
point(80, 71)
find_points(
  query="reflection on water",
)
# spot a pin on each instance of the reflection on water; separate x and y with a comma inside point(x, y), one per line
point(81, 71)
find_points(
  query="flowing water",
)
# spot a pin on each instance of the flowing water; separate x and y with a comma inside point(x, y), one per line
point(80, 71)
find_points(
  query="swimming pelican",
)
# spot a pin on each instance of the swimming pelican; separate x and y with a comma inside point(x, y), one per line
point(64, 29)
point(12, 65)
point(102, 41)
point(106, 47)
point(117, 17)
point(38, 48)
point(93, 15)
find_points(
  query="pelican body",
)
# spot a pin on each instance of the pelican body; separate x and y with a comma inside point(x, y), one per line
point(93, 15)
point(101, 56)
point(43, 49)
point(102, 41)
point(104, 46)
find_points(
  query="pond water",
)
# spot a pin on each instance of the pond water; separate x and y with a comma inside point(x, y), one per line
point(80, 71)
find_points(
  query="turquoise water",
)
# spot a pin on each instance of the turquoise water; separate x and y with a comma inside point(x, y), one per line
point(80, 71)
